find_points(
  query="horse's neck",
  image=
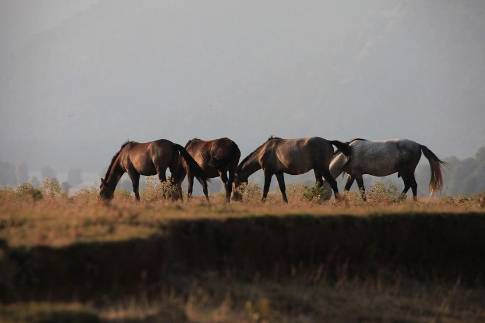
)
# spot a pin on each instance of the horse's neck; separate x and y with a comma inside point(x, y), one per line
point(337, 165)
point(114, 175)
point(251, 166)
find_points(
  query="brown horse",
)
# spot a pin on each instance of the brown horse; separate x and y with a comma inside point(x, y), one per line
point(292, 156)
point(148, 159)
point(218, 157)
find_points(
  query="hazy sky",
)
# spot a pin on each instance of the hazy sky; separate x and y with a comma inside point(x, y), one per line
point(78, 78)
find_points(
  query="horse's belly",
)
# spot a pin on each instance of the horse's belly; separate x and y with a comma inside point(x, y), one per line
point(210, 172)
point(296, 169)
point(149, 171)
point(144, 167)
point(380, 171)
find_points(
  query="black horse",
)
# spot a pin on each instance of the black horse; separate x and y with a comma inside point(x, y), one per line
point(218, 157)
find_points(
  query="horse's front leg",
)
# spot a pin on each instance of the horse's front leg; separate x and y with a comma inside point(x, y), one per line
point(281, 182)
point(360, 183)
point(267, 181)
point(135, 180)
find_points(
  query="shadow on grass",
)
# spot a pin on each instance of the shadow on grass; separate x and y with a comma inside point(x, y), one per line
point(425, 247)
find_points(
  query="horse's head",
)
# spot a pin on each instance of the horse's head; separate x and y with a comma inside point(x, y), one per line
point(240, 182)
point(106, 192)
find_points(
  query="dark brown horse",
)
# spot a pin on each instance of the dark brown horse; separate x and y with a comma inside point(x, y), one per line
point(217, 158)
point(292, 156)
point(148, 159)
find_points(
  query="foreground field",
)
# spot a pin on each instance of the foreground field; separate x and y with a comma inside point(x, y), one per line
point(76, 259)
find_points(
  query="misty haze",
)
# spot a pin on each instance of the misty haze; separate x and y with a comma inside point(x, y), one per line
point(242, 161)
point(79, 78)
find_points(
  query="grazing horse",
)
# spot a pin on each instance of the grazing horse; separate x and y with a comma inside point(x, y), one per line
point(292, 156)
point(218, 157)
point(148, 159)
point(382, 158)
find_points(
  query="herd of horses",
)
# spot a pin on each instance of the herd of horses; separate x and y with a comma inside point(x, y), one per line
point(205, 159)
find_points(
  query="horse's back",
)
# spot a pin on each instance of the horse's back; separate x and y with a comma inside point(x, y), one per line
point(148, 156)
point(214, 154)
point(297, 156)
point(382, 157)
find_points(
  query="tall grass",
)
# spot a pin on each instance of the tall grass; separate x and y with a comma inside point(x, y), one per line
point(311, 260)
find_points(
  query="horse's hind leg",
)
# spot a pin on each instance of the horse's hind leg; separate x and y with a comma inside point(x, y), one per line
point(230, 180)
point(281, 182)
point(318, 177)
point(414, 187)
point(190, 188)
point(162, 177)
point(225, 180)
point(360, 183)
point(407, 186)
point(205, 190)
point(333, 183)
point(179, 192)
point(203, 182)
point(349, 183)
point(409, 182)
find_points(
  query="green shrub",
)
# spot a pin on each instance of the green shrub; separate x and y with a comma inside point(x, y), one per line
point(249, 191)
point(317, 193)
point(7, 194)
point(155, 190)
point(295, 191)
point(380, 192)
point(51, 188)
point(27, 190)
point(87, 194)
point(122, 194)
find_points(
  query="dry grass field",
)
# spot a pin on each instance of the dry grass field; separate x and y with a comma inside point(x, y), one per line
point(77, 259)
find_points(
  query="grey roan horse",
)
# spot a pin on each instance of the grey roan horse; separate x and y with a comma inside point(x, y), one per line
point(148, 159)
point(218, 157)
point(382, 158)
point(292, 156)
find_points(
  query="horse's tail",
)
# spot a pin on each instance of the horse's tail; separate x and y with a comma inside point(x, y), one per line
point(436, 181)
point(342, 146)
point(193, 166)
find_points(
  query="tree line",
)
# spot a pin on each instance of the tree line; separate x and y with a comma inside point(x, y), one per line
point(461, 176)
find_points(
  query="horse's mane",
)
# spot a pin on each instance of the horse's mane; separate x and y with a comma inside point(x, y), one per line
point(338, 151)
point(191, 140)
point(253, 152)
point(273, 137)
point(114, 158)
point(355, 139)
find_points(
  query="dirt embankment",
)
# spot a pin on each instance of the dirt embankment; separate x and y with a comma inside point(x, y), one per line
point(420, 246)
